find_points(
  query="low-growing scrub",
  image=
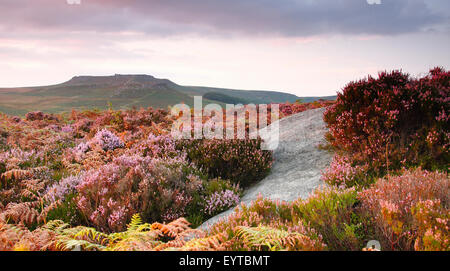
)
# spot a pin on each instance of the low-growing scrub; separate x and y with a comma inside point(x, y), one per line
point(117, 180)
point(387, 123)
point(240, 160)
point(99, 168)
point(260, 225)
point(331, 219)
point(332, 213)
point(402, 209)
point(342, 173)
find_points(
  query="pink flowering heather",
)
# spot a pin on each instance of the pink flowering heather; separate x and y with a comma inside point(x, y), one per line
point(342, 173)
point(115, 219)
point(83, 147)
point(158, 146)
point(393, 118)
point(98, 187)
point(221, 201)
point(67, 129)
point(390, 203)
point(107, 140)
point(58, 191)
point(179, 200)
point(288, 109)
point(160, 189)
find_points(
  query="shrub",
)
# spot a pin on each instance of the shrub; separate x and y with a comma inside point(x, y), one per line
point(108, 140)
point(64, 187)
point(31, 116)
point(221, 201)
point(268, 216)
point(213, 191)
point(342, 173)
point(391, 205)
point(432, 226)
point(332, 213)
point(159, 189)
point(216, 158)
point(158, 146)
point(133, 119)
point(393, 121)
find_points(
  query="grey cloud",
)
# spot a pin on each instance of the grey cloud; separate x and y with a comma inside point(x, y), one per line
point(224, 17)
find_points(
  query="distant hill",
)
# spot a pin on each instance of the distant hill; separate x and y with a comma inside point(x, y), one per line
point(220, 97)
point(125, 91)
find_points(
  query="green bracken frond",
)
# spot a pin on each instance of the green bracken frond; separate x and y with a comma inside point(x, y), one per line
point(56, 226)
point(262, 238)
point(78, 237)
point(138, 236)
point(92, 235)
point(136, 221)
point(73, 244)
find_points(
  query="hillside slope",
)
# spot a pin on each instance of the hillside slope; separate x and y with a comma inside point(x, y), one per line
point(123, 91)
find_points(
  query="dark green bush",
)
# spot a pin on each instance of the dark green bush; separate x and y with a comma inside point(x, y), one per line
point(240, 161)
point(332, 213)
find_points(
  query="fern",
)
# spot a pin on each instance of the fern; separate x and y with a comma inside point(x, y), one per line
point(138, 236)
point(136, 221)
point(56, 226)
point(20, 174)
point(79, 237)
point(210, 243)
point(24, 212)
point(146, 236)
point(92, 235)
point(74, 244)
point(58, 235)
point(267, 238)
point(18, 237)
point(13, 174)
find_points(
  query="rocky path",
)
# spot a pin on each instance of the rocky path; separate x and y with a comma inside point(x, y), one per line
point(297, 161)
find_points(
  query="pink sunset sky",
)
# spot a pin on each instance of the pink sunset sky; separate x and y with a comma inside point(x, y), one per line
point(308, 47)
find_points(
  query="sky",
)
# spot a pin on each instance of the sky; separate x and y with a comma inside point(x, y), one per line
point(304, 47)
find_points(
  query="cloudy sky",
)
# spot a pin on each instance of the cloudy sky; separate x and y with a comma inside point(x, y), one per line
point(305, 47)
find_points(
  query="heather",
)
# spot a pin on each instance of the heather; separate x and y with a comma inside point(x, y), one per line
point(99, 168)
point(117, 180)
point(331, 219)
point(239, 160)
point(405, 212)
point(384, 124)
point(287, 109)
point(410, 210)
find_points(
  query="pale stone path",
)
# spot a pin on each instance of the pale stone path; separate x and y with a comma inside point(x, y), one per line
point(298, 161)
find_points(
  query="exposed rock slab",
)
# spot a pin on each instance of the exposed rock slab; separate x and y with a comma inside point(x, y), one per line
point(298, 161)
